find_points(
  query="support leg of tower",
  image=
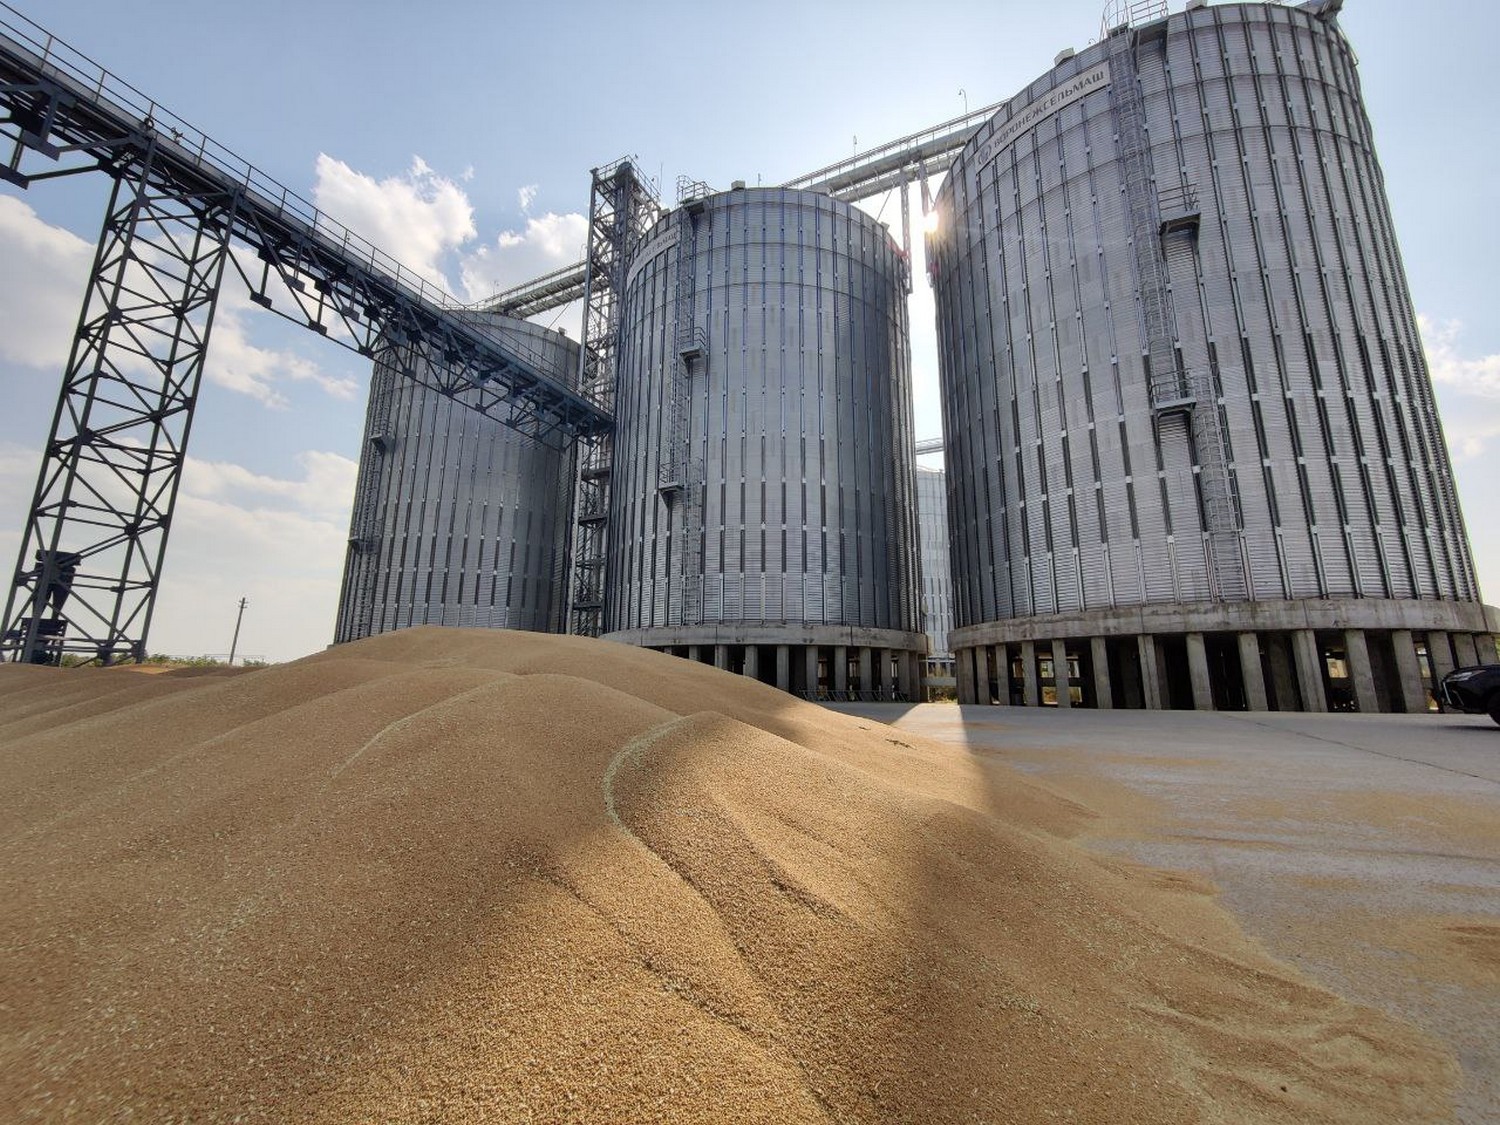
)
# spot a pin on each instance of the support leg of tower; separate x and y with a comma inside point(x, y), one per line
point(1309, 659)
point(964, 669)
point(1002, 675)
point(1032, 691)
point(96, 533)
point(1361, 674)
point(1408, 672)
point(1099, 660)
point(1250, 672)
point(1150, 672)
point(1197, 654)
point(1439, 659)
point(1060, 681)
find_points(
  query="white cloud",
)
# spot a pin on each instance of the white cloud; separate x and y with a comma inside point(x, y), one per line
point(278, 541)
point(41, 289)
point(239, 365)
point(1477, 376)
point(417, 218)
point(547, 243)
point(41, 286)
point(1468, 388)
point(526, 196)
point(326, 486)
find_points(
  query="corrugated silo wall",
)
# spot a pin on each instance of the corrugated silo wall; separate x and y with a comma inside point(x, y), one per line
point(1293, 304)
point(794, 447)
point(458, 520)
point(937, 578)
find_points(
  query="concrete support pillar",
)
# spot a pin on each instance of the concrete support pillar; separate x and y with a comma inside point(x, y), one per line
point(1031, 690)
point(784, 667)
point(908, 675)
point(1197, 654)
point(1002, 674)
point(1309, 660)
point(1250, 672)
point(1408, 672)
point(721, 656)
point(752, 661)
point(1104, 697)
point(1439, 657)
point(693, 654)
point(1282, 681)
point(866, 670)
point(1361, 675)
point(810, 670)
point(1060, 681)
point(1465, 651)
point(840, 669)
point(1150, 672)
point(963, 661)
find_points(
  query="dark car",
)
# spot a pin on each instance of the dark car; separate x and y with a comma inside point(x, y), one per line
point(1474, 691)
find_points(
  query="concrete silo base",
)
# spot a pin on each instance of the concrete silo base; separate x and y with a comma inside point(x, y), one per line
point(826, 662)
point(1346, 655)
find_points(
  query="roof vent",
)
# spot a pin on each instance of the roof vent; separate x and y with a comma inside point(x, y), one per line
point(738, 185)
point(1063, 56)
point(1194, 5)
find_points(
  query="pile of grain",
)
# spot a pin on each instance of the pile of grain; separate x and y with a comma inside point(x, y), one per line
point(465, 875)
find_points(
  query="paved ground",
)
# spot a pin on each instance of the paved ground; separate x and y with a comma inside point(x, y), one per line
point(1365, 849)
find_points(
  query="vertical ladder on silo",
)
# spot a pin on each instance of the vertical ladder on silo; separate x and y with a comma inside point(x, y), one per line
point(679, 485)
point(1154, 222)
point(365, 526)
point(1164, 371)
point(1221, 520)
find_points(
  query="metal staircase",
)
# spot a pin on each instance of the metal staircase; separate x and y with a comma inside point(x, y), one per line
point(621, 209)
point(1164, 229)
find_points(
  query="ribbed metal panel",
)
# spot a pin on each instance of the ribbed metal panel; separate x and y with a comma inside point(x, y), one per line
point(1288, 311)
point(937, 579)
point(799, 424)
point(464, 520)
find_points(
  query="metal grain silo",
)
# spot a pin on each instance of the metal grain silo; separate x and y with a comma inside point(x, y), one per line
point(458, 520)
point(762, 511)
point(1194, 454)
point(937, 579)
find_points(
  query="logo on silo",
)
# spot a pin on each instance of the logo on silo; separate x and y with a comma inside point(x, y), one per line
point(1035, 112)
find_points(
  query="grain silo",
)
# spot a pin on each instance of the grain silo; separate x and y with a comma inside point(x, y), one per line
point(762, 513)
point(458, 520)
point(937, 581)
point(1193, 454)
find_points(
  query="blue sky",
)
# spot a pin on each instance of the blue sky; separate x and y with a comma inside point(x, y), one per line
point(458, 136)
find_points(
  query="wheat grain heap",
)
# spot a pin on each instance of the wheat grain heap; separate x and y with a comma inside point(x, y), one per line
point(462, 875)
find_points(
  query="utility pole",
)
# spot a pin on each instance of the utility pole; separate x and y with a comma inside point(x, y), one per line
point(234, 644)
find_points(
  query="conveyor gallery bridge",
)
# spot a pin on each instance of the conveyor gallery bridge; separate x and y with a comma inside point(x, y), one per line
point(183, 210)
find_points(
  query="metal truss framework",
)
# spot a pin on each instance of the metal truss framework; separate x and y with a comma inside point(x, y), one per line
point(896, 164)
point(183, 208)
point(97, 529)
point(621, 209)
